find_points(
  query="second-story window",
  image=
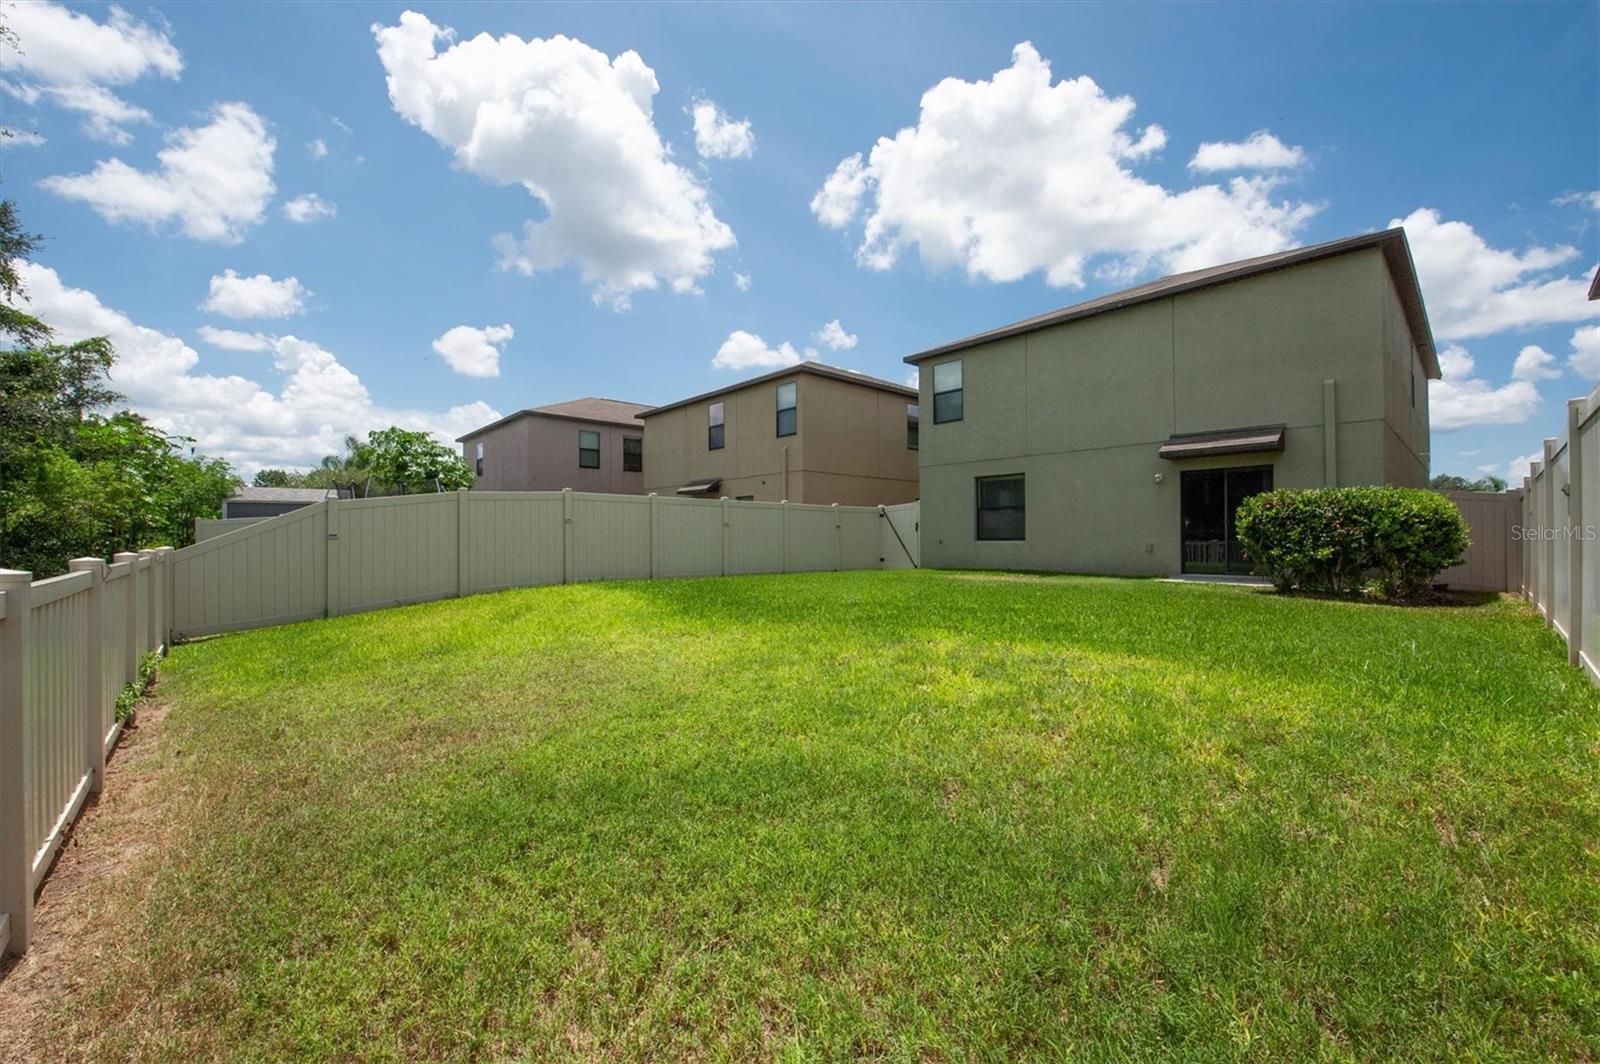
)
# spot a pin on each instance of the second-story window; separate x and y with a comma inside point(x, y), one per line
point(787, 398)
point(714, 428)
point(947, 394)
point(480, 458)
point(588, 449)
point(913, 413)
point(633, 454)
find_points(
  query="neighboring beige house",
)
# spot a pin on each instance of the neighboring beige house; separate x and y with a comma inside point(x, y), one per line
point(808, 433)
point(1120, 435)
point(586, 445)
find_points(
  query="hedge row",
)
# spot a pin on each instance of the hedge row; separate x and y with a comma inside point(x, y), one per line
point(1341, 539)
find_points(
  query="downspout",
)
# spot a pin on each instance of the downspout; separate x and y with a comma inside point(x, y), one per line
point(786, 472)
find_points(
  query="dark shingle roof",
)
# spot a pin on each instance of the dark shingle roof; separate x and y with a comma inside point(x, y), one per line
point(282, 494)
point(590, 408)
point(819, 369)
point(1396, 252)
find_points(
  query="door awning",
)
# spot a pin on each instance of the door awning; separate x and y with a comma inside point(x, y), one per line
point(704, 486)
point(1223, 441)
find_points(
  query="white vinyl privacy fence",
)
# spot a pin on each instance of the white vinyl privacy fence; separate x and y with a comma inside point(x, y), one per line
point(1561, 534)
point(350, 555)
point(68, 647)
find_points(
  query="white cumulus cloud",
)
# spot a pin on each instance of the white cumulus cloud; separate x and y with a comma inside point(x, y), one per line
point(741, 281)
point(1585, 357)
point(833, 337)
point(576, 130)
point(716, 136)
point(1019, 175)
point(1517, 468)
point(1534, 363)
point(213, 182)
point(1461, 399)
point(1472, 289)
point(317, 149)
point(1259, 151)
point(474, 352)
point(305, 416)
point(260, 296)
point(71, 59)
point(309, 208)
point(234, 340)
point(745, 350)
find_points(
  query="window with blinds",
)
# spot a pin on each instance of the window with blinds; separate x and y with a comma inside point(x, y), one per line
point(1002, 508)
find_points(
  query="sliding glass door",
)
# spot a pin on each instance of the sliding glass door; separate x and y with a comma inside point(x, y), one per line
point(1210, 502)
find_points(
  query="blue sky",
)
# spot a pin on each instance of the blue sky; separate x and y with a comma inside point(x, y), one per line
point(1038, 174)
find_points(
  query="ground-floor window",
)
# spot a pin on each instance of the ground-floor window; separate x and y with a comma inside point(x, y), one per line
point(1002, 507)
point(1210, 507)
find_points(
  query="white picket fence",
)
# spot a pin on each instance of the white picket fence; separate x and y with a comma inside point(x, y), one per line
point(68, 647)
point(1561, 534)
point(351, 555)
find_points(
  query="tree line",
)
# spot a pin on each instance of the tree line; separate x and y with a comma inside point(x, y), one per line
point(81, 478)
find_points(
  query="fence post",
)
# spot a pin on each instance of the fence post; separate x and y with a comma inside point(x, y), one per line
point(655, 565)
point(461, 541)
point(724, 535)
point(94, 743)
point(164, 570)
point(331, 536)
point(1527, 547)
point(16, 863)
point(566, 535)
point(130, 618)
point(1575, 544)
point(785, 505)
point(1547, 579)
point(151, 604)
point(838, 541)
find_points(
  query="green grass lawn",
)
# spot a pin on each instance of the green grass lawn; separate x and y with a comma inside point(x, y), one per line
point(898, 815)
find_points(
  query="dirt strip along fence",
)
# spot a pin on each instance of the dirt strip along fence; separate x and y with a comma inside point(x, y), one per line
point(1560, 534)
point(69, 646)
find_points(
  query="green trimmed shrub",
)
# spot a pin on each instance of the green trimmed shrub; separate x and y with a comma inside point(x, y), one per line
point(1336, 539)
point(1415, 536)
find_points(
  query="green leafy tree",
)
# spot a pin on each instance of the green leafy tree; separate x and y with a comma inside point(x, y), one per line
point(277, 478)
point(74, 481)
point(408, 461)
point(1451, 482)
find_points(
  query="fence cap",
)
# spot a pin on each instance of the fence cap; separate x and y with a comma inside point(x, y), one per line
point(93, 565)
point(16, 576)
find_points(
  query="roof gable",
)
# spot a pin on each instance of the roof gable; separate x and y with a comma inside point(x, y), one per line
point(589, 408)
point(819, 369)
point(1392, 242)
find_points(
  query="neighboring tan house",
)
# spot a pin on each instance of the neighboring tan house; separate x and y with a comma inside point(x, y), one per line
point(270, 502)
point(586, 445)
point(807, 433)
point(1120, 435)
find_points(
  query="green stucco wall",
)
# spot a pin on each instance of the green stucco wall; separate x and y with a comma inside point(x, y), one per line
point(1081, 409)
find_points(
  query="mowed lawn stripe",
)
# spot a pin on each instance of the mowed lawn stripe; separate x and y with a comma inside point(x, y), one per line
point(870, 814)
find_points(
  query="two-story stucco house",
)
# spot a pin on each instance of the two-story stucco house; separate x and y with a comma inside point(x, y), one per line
point(1120, 435)
point(808, 433)
point(585, 444)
